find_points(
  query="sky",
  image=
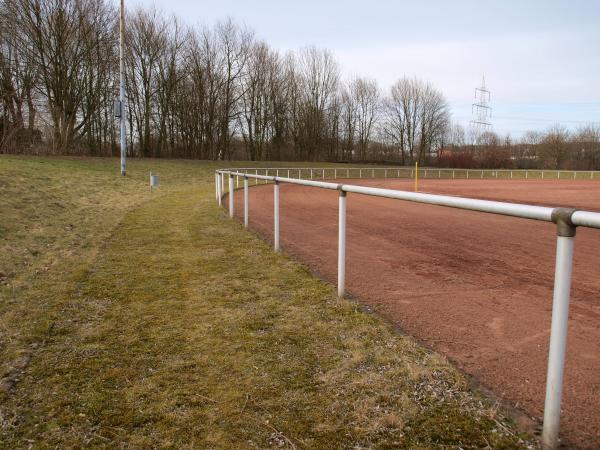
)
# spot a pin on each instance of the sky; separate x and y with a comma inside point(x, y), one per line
point(540, 58)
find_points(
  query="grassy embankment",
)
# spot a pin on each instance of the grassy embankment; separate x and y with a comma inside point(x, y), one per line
point(150, 320)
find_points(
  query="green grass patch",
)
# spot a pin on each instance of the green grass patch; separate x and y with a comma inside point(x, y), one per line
point(131, 319)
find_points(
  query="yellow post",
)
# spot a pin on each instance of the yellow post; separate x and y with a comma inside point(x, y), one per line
point(416, 176)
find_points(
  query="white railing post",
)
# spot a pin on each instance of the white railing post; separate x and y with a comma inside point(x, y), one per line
point(342, 244)
point(526, 174)
point(311, 174)
point(323, 174)
point(246, 202)
point(276, 216)
point(230, 195)
point(558, 330)
point(237, 182)
point(360, 173)
point(452, 174)
point(335, 174)
point(216, 186)
point(219, 189)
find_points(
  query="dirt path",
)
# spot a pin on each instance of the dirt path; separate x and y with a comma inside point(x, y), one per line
point(475, 287)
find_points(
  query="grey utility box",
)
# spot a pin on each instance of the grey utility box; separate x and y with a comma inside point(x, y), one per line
point(117, 106)
point(153, 180)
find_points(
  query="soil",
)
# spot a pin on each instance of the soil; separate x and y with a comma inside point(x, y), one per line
point(475, 287)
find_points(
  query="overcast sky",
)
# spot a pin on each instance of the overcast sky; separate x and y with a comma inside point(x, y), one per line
point(541, 58)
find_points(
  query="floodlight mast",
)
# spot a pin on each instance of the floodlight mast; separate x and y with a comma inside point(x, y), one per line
point(122, 90)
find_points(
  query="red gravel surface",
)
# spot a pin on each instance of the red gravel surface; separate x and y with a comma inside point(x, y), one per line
point(475, 287)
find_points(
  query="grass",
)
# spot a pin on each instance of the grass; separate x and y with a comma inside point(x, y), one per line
point(131, 319)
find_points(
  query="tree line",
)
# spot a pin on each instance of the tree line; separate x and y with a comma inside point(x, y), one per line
point(205, 92)
point(209, 92)
point(555, 148)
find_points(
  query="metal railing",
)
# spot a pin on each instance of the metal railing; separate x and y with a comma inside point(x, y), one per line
point(312, 173)
point(566, 220)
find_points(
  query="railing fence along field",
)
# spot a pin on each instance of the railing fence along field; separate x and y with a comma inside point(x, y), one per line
point(423, 172)
point(566, 220)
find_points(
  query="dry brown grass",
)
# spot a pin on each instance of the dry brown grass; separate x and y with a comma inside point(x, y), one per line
point(153, 321)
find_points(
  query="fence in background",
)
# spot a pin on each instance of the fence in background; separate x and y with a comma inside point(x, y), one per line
point(317, 173)
point(566, 220)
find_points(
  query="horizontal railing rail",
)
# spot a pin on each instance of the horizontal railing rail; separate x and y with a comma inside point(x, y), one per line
point(423, 172)
point(566, 220)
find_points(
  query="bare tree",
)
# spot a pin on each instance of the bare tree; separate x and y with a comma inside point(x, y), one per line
point(586, 142)
point(348, 124)
point(280, 99)
point(169, 76)
point(234, 49)
point(366, 97)
point(456, 135)
point(65, 41)
point(433, 119)
point(318, 87)
point(146, 40)
point(17, 83)
point(203, 95)
point(416, 118)
point(554, 146)
point(257, 99)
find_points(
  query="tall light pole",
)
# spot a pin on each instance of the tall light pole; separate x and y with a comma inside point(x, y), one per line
point(122, 90)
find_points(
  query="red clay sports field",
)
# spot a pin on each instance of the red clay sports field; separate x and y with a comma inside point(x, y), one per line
point(475, 287)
